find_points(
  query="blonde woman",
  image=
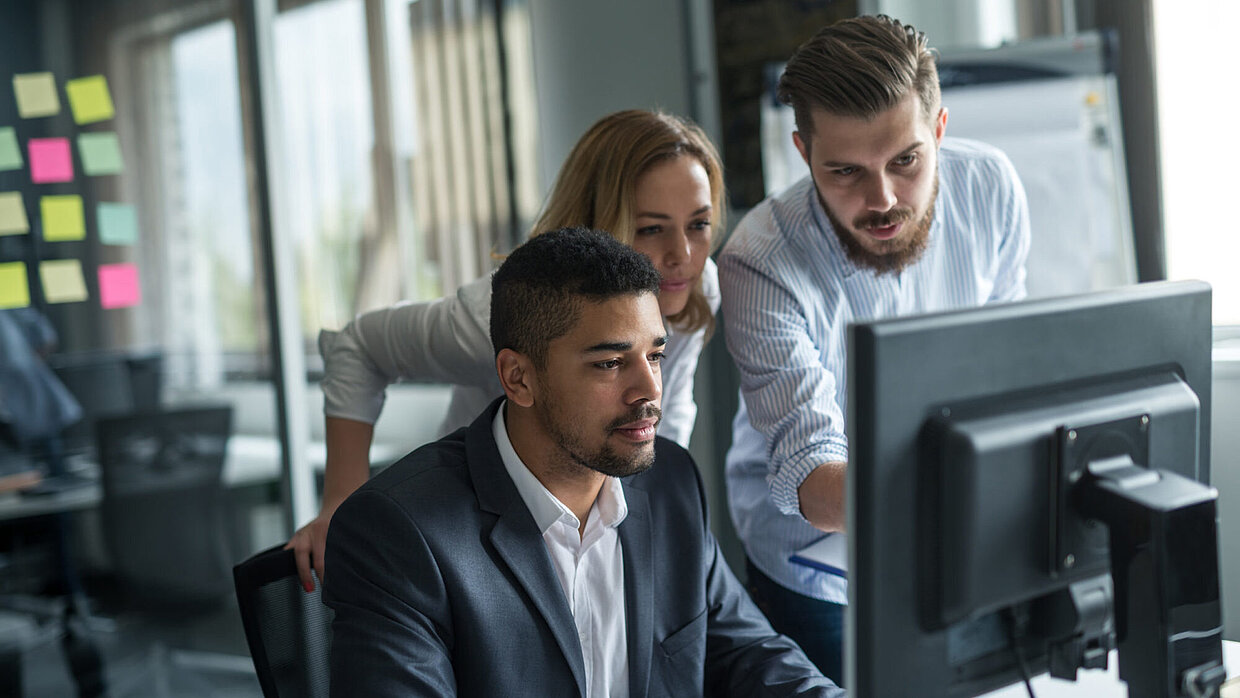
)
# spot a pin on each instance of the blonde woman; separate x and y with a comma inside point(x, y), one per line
point(654, 182)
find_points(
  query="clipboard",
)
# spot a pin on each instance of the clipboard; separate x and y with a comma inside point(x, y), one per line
point(827, 554)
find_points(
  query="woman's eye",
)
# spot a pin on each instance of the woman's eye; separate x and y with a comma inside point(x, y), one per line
point(649, 230)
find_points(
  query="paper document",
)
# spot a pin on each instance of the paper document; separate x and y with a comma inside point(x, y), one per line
point(828, 554)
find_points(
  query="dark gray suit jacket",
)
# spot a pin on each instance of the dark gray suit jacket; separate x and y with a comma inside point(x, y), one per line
point(442, 585)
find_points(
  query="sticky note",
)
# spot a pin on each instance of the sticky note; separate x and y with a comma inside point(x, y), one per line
point(62, 217)
point(14, 291)
point(118, 223)
point(13, 219)
point(50, 160)
point(36, 95)
point(62, 281)
point(118, 285)
point(10, 153)
point(101, 153)
point(89, 99)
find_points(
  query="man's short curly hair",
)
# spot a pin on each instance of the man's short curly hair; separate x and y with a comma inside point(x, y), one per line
point(537, 294)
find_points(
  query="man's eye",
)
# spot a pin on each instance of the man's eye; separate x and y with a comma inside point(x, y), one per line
point(906, 160)
point(844, 171)
point(657, 357)
point(608, 364)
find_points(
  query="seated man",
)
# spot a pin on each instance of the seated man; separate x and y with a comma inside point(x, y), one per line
point(555, 547)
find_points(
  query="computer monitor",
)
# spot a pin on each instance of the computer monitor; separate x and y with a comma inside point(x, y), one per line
point(1026, 491)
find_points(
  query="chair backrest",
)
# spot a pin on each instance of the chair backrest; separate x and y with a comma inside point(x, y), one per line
point(164, 510)
point(288, 629)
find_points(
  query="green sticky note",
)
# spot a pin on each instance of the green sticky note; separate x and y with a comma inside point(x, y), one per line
point(62, 281)
point(62, 217)
point(89, 99)
point(36, 95)
point(14, 291)
point(10, 153)
point(101, 153)
point(118, 224)
point(13, 219)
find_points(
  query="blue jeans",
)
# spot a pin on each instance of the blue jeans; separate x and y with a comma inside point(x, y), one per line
point(817, 626)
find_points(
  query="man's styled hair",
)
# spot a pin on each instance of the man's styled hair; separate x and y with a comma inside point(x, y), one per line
point(859, 67)
point(538, 293)
point(597, 184)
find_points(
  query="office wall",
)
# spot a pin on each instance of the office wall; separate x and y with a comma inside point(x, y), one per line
point(593, 57)
point(1225, 475)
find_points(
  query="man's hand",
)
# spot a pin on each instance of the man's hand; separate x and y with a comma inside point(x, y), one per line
point(308, 545)
point(822, 496)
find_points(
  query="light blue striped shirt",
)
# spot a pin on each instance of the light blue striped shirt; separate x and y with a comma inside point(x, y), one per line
point(789, 293)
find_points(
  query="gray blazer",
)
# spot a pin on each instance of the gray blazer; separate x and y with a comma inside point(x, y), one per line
point(442, 585)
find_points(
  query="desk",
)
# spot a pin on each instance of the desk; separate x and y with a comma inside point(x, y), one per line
point(1099, 684)
point(251, 460)
point(14, 506)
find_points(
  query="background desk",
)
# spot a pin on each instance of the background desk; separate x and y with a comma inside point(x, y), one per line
point(1100, 684)
point(251, 460)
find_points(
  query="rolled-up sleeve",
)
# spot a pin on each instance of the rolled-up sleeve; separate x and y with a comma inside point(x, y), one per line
point(790, 394)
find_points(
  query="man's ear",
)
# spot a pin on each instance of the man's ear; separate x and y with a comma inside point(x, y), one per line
point(940, 126)
point(516, 374)
point(802, 147)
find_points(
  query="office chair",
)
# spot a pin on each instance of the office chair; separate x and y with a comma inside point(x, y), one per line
point(289, 631)
point(164, 511)
point(169, 533)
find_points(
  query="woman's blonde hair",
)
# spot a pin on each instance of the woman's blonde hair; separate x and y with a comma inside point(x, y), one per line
point(596, 185)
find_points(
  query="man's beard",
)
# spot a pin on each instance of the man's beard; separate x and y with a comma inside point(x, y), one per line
point(604, 460)
point(894, 256)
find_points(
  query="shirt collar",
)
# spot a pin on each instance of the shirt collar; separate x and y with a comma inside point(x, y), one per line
point(544, 506)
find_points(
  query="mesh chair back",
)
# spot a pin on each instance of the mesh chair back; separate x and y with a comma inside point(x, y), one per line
point(164, 511)
point(288, 630)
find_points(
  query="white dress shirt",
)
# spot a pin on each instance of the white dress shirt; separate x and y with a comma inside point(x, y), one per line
point(590, 567)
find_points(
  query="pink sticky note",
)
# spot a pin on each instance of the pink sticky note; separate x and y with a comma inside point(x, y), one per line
point(118, 285)
point(50, 160)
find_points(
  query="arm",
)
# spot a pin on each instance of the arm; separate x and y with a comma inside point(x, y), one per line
point(348, 467)
point(790, 394)
point(447, 340)
point(392, 628)
point(744, 654)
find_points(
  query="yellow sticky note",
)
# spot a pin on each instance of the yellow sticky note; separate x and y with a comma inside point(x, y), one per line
point(13, 219)
point(89, 99)
point(62, 217)
point(14, 291)
point(36, 95)
point(62, 281)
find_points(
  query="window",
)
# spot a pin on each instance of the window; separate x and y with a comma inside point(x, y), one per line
point(1197, 110)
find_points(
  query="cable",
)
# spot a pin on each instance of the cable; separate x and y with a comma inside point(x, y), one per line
point(1013, 623)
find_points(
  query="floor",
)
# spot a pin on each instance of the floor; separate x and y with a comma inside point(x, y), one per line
point(147, 654)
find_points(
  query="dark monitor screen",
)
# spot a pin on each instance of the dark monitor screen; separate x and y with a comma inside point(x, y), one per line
point(978, 441)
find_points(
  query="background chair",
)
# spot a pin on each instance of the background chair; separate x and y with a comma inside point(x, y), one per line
point(164, 512)
point(168, 531)
point(288, 630)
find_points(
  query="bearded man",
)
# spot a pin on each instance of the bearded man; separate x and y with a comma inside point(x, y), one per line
point(894, 219)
